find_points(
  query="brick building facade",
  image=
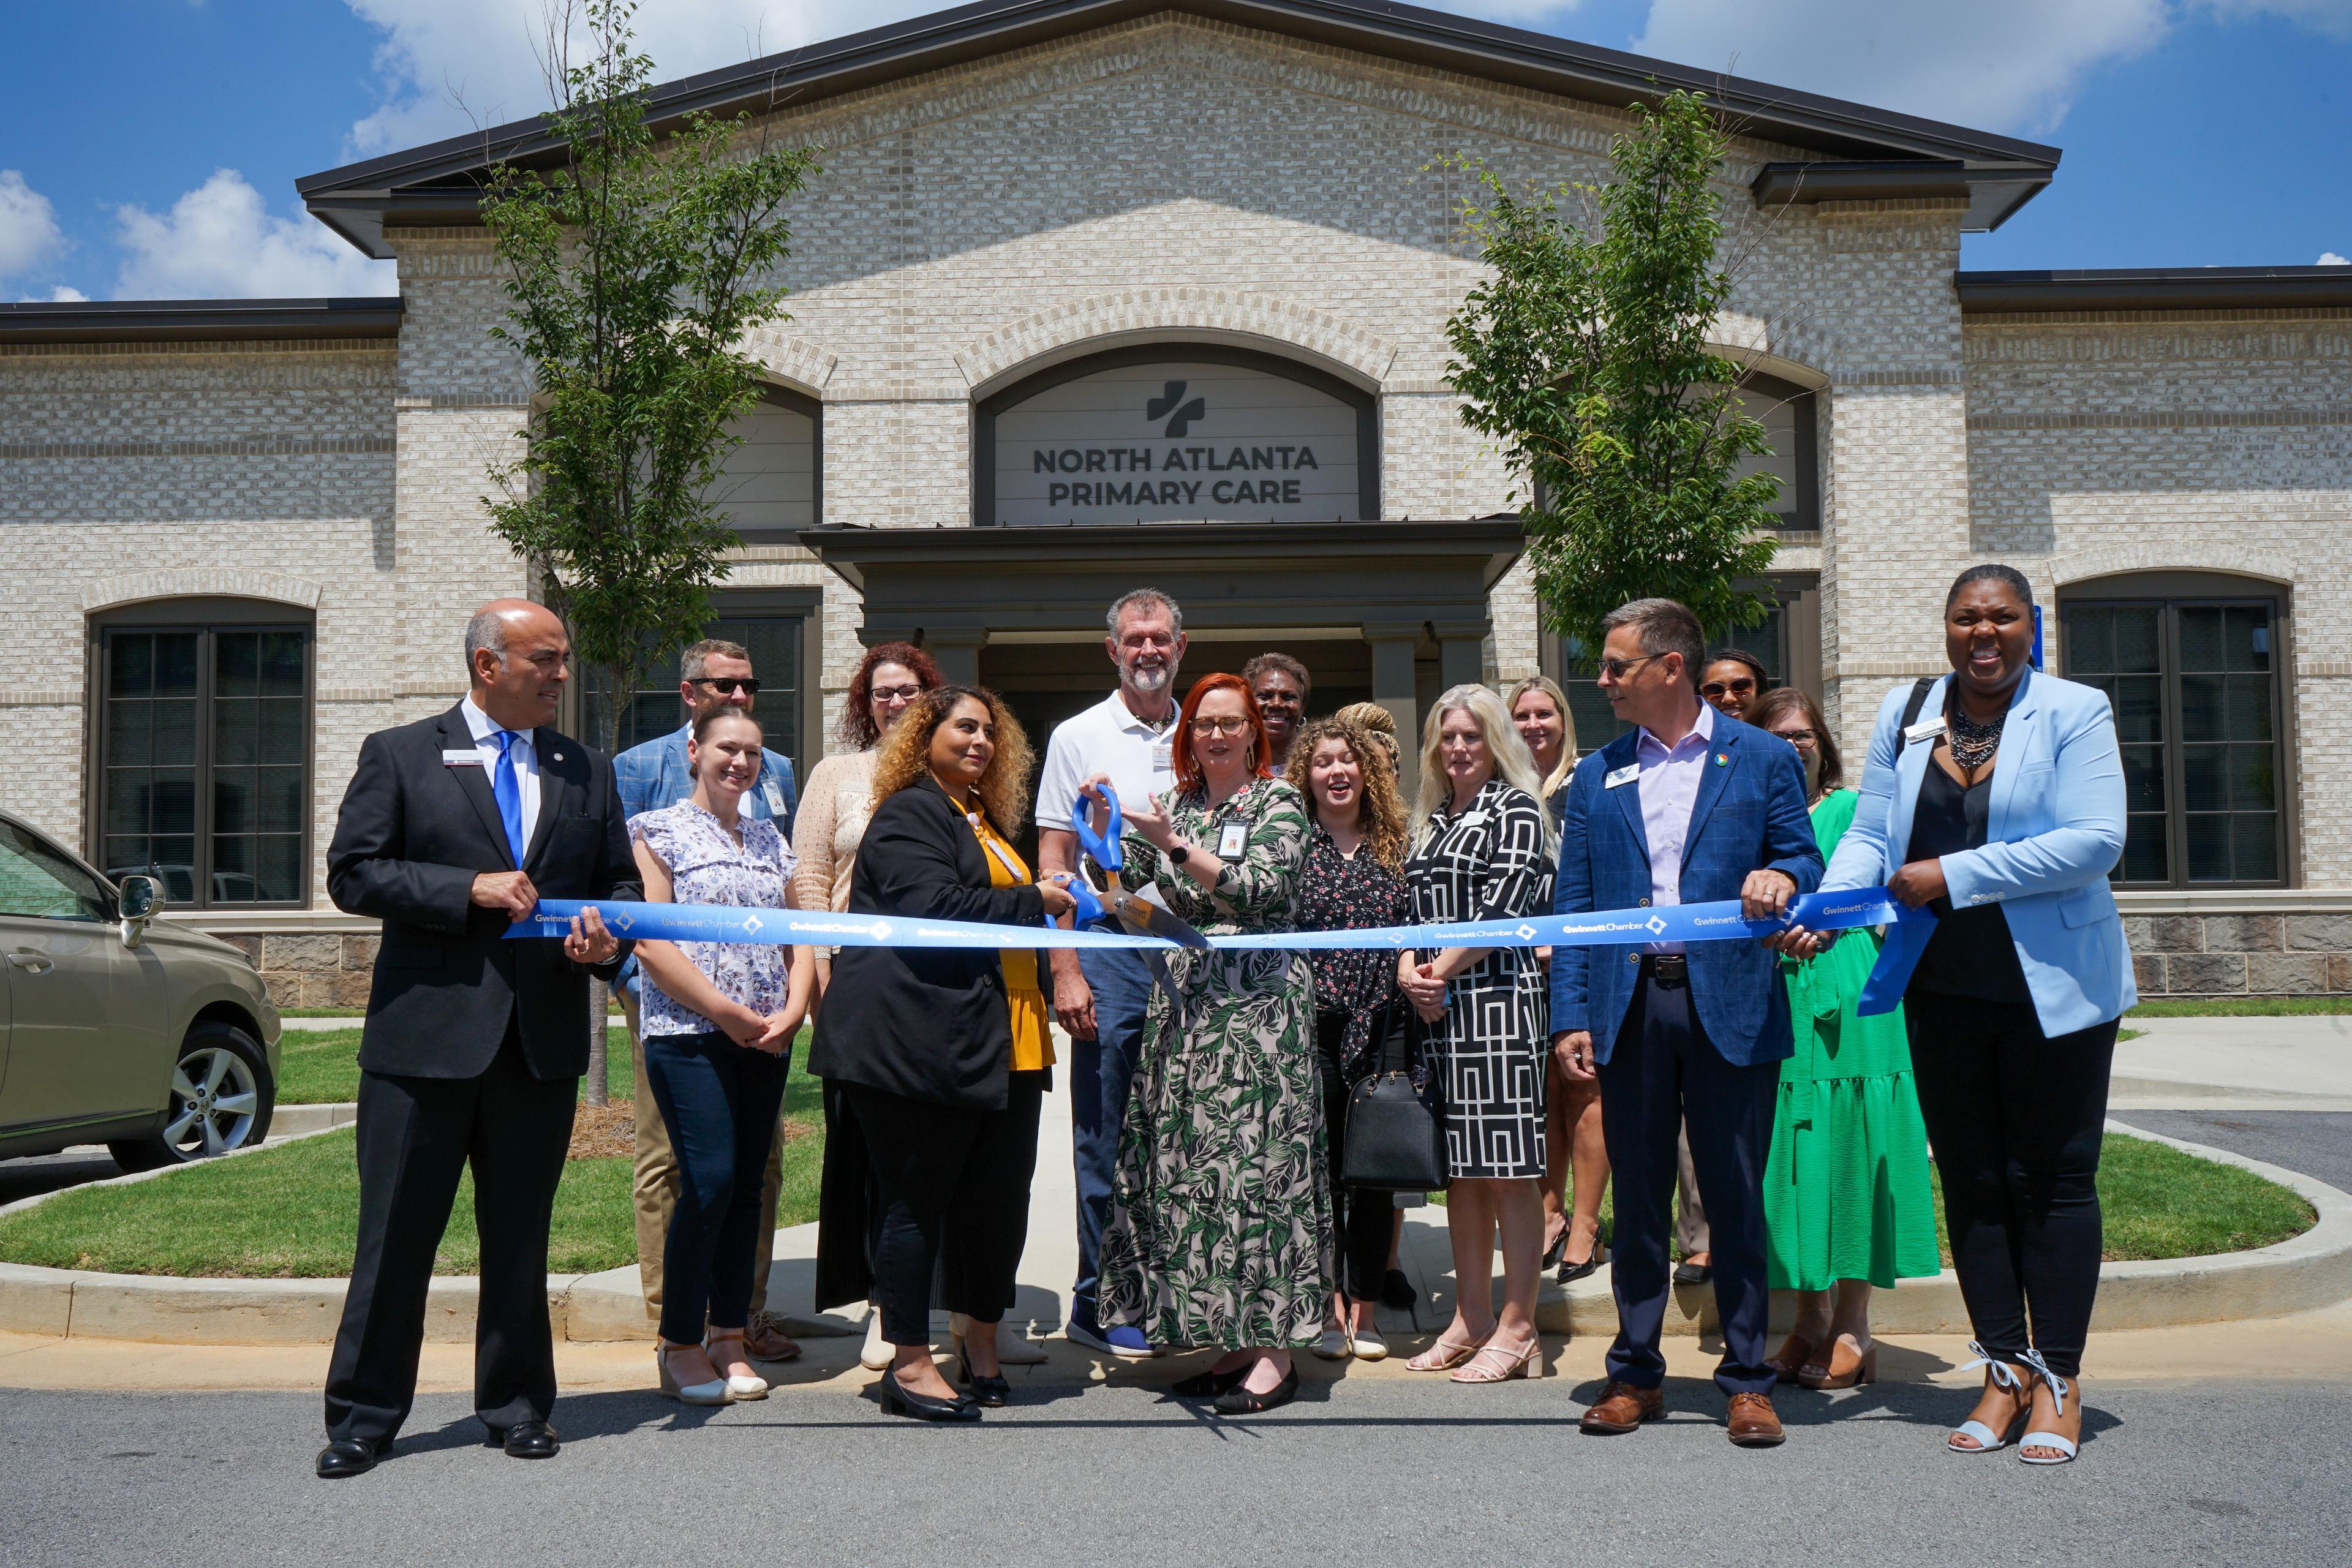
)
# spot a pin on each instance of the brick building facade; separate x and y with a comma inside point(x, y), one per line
point(217, 508)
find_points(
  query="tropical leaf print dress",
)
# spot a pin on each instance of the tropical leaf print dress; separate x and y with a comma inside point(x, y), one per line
point(1220, 1230)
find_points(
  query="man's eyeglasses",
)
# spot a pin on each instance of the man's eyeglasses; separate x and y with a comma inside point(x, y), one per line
point(1228, 726)
point(729, 685)
point(895, 693)
point(1742, 686)
point(1615, 668)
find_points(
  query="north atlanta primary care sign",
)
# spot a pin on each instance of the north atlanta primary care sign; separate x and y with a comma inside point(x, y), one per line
point(1175, 441)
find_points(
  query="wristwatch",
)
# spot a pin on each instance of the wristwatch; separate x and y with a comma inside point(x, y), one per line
point(1178, 852)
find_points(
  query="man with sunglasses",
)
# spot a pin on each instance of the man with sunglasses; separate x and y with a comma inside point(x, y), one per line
point(712, 673)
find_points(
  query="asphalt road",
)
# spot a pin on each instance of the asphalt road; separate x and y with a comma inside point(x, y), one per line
point(1369, 1472)
point(48, 1173)
point(2315, 1142)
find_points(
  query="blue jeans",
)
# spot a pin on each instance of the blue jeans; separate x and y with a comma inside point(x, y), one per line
point(719, 1102)
point(1101, 1072)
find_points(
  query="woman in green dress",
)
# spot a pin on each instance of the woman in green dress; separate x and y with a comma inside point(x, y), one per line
point(1847, 1205)
point(1220, 1230)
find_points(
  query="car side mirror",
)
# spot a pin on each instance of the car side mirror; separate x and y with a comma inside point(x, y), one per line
point(141, 902)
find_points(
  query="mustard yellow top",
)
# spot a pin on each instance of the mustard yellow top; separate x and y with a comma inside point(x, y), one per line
point(1032, 1035)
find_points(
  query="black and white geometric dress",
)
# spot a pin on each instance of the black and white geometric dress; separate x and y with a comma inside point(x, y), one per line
point(1488, 862)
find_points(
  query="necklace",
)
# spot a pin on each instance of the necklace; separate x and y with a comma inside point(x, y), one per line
point(1972, 744)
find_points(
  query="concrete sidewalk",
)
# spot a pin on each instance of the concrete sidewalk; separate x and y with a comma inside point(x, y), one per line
point(2301, 1063)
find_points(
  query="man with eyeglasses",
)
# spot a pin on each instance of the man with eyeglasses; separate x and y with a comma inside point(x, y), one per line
point(1099, 996)
point(712, 673)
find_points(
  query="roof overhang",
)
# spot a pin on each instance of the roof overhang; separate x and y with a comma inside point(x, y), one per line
point(198, 321)
point(1993, 191)
point(434, 184)
point(2157, 288)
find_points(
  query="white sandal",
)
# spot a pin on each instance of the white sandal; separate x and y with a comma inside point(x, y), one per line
point(1988, 1441)
point(2066, 1447)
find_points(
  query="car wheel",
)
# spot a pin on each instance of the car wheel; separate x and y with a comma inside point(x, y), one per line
point(222, 1100)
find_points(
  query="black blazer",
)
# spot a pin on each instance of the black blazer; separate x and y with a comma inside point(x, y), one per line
point(412, 835)
point(930, 1023)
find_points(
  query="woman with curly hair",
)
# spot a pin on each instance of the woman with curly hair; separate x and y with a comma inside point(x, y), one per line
point(940, 1056)
point(1353, 877)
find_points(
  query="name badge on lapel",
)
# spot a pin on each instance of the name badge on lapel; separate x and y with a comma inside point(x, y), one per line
point(1232, 841)
point(1163, 756)
point(775, 797)
point(1624, 776)
point(468, 758)
point(1925, 730)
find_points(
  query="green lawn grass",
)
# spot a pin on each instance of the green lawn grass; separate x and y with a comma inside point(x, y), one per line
point(320, 1067)
point(2239, 1006)
point(293, 1212)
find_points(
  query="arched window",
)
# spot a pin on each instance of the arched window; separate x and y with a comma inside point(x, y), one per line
point(1178, 432)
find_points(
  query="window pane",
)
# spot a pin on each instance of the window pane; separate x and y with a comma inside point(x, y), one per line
point(175, 733)
point(281, 664)
point(2139, 707)
point(2203, 785)
point(172, 801)
point(175, 664)
point(2202, 637)
point(281, 730)
point(235, 739)
point(2143, 778)
point(2209, 848)
point(2255, 840)
point(232, 800)
point(2246, 642)
point(2139, 639)
point(2249, 703)
point(237, 667)
point(2090, 641)
point(2144, 851)
point(127, 732)
point(130, 665)
point(2253, 783)
point(281, 866)
point(281, 809)
point(2201, 707)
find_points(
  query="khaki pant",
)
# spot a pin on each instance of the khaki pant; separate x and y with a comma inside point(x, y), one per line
point(1690, 1220)
point(655, 1187)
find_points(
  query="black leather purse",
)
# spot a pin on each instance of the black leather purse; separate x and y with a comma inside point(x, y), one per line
point(1396, 1137)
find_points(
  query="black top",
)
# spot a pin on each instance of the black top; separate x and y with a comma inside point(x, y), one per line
point(1337, 893)
point(930, 1023)
point(412, 835)
point(1972, 953)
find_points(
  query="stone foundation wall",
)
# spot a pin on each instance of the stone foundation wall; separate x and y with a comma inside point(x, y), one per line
point(2241, 955)
point(312, 969)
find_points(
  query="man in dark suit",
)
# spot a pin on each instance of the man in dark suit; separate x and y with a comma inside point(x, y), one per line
point(452, 830)
point(1692, 807)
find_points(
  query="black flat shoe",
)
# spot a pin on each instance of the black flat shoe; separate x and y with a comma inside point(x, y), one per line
point(897, 1401)
point(1397, 1291)
point(526, 1440)
point(1209, 1384)
point(990, 1392)
point(1238, 1401)
point(1693, 1273)
point(350, 1457)
point(1570, 1270)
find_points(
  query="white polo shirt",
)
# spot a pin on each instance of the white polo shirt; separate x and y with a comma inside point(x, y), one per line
point(1105, 739)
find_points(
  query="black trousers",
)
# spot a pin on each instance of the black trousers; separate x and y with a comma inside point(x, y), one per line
point(1364, 1216)
point(719, 1102)
point(947, 1172)
point(1662, 1071)
point(416, 1136)
point(2016, 1120)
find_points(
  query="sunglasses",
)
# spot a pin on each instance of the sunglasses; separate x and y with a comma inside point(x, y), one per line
point(729, 685)
point(1717, 688)
point(1615, 668)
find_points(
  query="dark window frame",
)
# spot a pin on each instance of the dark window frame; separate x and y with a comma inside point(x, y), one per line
point(1367, 406)
point(2168, 593)
point(804, 742)
point(208, 617)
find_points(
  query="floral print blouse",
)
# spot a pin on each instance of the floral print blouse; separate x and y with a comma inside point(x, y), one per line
point(1340, 893)
point(708, 867)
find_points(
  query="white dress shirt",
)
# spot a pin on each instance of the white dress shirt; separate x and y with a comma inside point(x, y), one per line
point(526, 762)
point(1669, 787)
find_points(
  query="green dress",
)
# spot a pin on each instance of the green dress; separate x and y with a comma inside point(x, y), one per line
point(1846, 1193)
point(1220, 1230)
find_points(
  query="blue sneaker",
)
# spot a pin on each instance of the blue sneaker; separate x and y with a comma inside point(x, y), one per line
point(1124, 1342)
point(1129, 1342)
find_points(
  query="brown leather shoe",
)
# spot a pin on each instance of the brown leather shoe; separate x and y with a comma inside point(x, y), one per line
point(1753, 1423)
point(1624, 1408)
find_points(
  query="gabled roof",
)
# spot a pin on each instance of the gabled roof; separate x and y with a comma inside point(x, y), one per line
point(434, 184)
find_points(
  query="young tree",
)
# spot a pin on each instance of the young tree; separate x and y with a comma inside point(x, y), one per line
point(635, 259)
point(1585, 358)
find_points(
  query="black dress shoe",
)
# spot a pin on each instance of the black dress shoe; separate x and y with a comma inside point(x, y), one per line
point(1693, 1273)
point(1553, 1253)
point(899, 1401)
point(526, 1440)
point(1397, 1291)
point(1238, 1401)
point(350, 1457)
point(1570, 1270)
point(990, 1392)
point(1209, 1384)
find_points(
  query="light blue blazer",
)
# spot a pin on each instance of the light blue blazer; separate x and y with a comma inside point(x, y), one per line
point(2054, 830)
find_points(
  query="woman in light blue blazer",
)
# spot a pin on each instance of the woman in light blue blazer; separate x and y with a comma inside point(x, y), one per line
point(1996, 798)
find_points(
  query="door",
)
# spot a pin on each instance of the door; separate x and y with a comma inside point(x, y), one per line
point(87, 1016)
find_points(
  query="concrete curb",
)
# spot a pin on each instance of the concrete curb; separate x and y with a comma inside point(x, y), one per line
point(2313, 1269)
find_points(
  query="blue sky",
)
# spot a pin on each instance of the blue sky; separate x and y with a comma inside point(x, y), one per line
point(148, 148)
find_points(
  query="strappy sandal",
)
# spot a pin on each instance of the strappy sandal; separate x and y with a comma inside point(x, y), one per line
point(1796, 1351)
point(2059, 1388)
point(1528, 1363)
point(1846, 1367)
point(1447, 1354)
point(1983, 1439)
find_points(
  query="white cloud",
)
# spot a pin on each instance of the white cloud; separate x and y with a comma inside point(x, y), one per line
point(66, 294)
point(28, 226)
point(2331, 17)
point(439, 54)
point(219, 241)
point(2329, 258)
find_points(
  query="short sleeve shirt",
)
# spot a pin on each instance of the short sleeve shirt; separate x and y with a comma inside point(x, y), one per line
point(708, 867)
point(1106, 739)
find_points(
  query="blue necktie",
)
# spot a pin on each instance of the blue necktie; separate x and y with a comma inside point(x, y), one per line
point(509, 790)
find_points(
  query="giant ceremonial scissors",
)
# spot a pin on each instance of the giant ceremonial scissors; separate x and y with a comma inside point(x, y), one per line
point(1139, 913)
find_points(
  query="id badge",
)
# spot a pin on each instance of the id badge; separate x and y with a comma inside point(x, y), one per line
point(1925, 730)
point(468, 758)
point(1232, 841)
point(1624, 776)
point(776, 796)
point(1163, 756)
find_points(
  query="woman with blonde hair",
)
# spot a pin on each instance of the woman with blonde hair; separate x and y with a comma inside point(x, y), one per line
point(1539, 712)
point(1483, 850)
point(1353, 877)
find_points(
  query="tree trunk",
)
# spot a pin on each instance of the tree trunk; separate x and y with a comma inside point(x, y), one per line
point(598, 1002)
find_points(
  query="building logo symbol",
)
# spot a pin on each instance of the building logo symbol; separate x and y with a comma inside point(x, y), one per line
point(1166, 405)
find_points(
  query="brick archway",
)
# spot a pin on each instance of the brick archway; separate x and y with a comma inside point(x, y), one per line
point(1215, 315)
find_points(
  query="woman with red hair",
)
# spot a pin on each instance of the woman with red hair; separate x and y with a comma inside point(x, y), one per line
point(1220, 1232)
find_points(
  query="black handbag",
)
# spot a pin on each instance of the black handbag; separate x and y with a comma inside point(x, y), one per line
point(1396, 1137)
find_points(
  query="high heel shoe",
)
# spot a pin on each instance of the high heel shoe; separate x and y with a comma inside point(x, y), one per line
point(898, 1401)
point(992, 1393)
point(740, 1387)
point(1796, 1353)
point(2063, 1448)
point(1846, 1368)
point(1528, 1363)
point(1570, 1270)
point(1559, 1246)
point(1983, 1439)
point(1447, 1354)
point(1239, 1401)
point(711, 1392)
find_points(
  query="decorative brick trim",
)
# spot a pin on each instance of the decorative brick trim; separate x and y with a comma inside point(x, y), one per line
point(61, 697)
point(2168, 420)
point(1922, 376)
point(1105, 319)
point(2186, 552)
point(204, 582)
point(279, 447)
point(805, 366)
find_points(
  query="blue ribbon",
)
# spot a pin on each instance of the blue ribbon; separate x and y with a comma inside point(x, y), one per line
point(1721, 922)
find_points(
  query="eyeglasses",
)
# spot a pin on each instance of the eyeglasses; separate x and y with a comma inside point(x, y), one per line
point(1796, 737)
point(1615, 668)
point(729, 685)
point(1743, 685)
point(1234, 726)
point(894, 693)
